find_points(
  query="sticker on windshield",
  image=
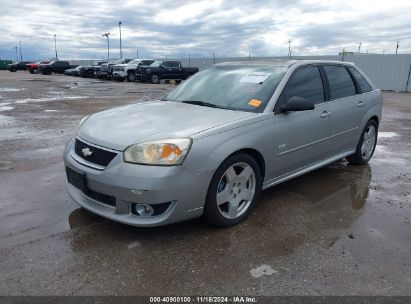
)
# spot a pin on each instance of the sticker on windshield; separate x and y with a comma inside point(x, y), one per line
point(254, 102)
point(256, 77)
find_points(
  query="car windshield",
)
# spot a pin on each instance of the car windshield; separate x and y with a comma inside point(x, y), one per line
point(244, 88)
point(134, 61)
point(156, 63)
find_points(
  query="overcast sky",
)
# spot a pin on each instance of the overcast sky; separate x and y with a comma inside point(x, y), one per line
point(227, 28)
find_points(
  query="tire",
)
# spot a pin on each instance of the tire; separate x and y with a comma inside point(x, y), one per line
point(131, 77)
point(155, 79)
point(13, 70)
point(46, 72)
point(231, 196)
point(366, 145)
point(89, 74)
point(31, 71)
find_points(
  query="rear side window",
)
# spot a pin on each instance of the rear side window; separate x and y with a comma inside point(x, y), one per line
point(340, 82)
point(305, 82)
point(172, 64)
point(363, 84)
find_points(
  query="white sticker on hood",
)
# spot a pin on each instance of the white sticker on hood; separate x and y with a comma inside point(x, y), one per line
point(256, 77)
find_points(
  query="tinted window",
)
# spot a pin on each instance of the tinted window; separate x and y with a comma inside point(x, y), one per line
point(341, 84)
point(171, 64)
point(305, 82)
point(363, 84)
point(147, 62)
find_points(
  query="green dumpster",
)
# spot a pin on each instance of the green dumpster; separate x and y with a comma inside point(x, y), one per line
point(4, 64)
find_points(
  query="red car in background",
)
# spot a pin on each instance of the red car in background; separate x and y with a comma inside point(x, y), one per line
point(34, 67)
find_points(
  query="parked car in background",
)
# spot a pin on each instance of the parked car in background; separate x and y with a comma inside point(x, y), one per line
point(56, 66)
point(21, 65)
point(90, 71)
point(106, 71)
point(167, 70)
point(128, 70)
point(34, 66)
point(211, 145)
point(75, 72)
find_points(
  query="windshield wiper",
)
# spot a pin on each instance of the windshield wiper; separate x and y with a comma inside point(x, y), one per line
point(203, 103)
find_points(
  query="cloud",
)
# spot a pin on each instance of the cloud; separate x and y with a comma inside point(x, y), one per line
point(223, 27)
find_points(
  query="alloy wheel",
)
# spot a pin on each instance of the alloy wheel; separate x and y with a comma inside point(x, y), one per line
point(236, 190)
point(368, 142)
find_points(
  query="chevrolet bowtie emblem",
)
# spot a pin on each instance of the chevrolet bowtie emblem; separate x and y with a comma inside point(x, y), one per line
point(86, 152)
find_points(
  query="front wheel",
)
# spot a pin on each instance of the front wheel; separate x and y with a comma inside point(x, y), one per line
point(233, 191)
point(155, 79)
point(131, 77)
point(366, 145)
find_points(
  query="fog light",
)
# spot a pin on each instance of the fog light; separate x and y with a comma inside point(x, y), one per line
point(144, 210)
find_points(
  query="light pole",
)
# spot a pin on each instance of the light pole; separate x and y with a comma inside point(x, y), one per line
point(55, 46)
point(359, 48)
point(119, 27)
point(108, 45)
point(396, 49)
point(17, 56)
point(289, 49)
point(21, 56)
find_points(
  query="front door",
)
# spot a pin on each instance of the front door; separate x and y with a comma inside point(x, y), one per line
point(302, 137)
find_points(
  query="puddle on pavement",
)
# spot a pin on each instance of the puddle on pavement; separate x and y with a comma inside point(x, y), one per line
point(387, 134)
point(5, 108)
point(38, 79)
point(11, 89)
point(6, 121)
point(39, 153)
point(45, 99)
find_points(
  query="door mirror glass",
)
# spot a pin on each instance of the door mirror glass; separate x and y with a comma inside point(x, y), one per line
point(297, 103)
point(161, 66)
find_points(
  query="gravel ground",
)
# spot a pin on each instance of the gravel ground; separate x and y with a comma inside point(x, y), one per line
point(340, 230)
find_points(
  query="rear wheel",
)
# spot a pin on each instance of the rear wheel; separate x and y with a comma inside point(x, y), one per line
point(155, 79)
point(366, 145)
point(89, 74)
point(234, 188)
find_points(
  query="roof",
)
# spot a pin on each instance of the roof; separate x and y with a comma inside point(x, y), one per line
point(279, 62)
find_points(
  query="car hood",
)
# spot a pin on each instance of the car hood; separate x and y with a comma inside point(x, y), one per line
point(121, 65)
point(120, 127)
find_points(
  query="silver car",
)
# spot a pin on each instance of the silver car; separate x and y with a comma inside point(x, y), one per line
point(210, 146)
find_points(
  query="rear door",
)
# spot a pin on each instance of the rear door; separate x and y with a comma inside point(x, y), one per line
point(364, 97)
point(302, 137)
point(173, 70)
point(343, 105)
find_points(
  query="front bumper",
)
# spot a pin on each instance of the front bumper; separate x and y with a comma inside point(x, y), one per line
point(119, 74)
point(131, 184)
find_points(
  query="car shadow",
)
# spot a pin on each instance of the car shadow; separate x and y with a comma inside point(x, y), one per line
point(321, 203)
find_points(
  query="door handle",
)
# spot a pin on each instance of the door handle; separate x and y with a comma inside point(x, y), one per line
point(325, 114)
point(360, 104)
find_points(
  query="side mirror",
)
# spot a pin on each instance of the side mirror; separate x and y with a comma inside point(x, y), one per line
point(161, 66)
point(296, 103)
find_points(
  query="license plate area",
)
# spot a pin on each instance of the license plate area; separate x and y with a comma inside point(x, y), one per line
point(77, 179)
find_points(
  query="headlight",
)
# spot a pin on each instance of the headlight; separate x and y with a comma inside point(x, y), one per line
point(166, 152)
point(81, 122)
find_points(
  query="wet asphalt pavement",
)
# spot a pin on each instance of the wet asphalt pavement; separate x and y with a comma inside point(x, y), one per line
point(340, 230)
